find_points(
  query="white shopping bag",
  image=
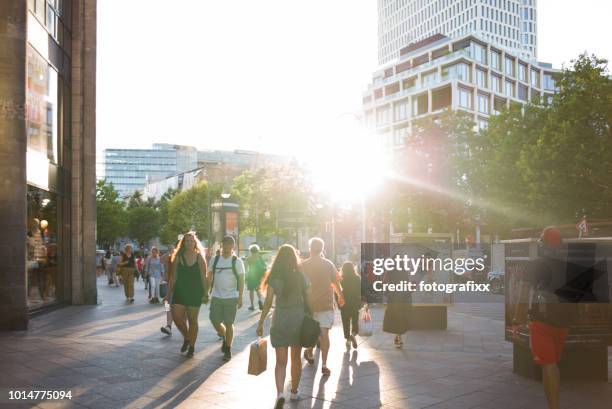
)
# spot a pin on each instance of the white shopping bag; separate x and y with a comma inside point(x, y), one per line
point(366, 327)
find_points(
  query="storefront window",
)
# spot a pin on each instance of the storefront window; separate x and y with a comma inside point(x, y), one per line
point(42, 106)
point(42, 246)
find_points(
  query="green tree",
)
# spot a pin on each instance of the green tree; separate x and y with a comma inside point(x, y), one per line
point(135, 200)
point(431, 189)
point(543, 164)
point(568, 167)
point(143, 223)
point(187, 210)
point(110, 214)
point(274, 190)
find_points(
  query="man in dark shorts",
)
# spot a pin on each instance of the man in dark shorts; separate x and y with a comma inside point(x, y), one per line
point(226, 276)
point(548, 316)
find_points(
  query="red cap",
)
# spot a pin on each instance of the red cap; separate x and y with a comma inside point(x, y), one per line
point(551, 236)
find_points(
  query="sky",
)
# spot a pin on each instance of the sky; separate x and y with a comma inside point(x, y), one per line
point(266, 75)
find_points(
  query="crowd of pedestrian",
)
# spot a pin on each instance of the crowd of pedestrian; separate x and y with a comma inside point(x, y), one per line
point(293, 288)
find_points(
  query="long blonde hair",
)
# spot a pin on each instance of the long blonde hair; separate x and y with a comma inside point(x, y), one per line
point(180, 248)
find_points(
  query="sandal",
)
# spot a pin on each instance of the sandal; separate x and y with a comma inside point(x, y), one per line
point(325, 371)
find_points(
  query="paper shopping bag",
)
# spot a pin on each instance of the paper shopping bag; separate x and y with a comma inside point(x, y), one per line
point(258, 357)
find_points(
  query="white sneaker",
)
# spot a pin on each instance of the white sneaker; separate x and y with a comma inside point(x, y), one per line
point(295, 396)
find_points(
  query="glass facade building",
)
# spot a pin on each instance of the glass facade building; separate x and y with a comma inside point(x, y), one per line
point(130, 169)
point(47, 105)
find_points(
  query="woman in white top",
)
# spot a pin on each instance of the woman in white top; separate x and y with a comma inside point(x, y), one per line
point(154, 269)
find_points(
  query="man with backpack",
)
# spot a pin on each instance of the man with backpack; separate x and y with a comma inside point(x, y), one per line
point(226, 279)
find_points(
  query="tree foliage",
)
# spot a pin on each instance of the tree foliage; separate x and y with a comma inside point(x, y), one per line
point(188, 210)
point(550, 164)
point(535, 164)
point(268, 194)
point(110, 216)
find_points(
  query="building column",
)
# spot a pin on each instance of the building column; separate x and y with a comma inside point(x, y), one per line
point(13, 184)
point(83, 152)
point(454, 95)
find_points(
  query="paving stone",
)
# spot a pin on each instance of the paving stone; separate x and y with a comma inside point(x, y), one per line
point(114, 356)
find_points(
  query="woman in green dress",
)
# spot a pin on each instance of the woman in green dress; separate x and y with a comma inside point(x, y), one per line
point(188, 288)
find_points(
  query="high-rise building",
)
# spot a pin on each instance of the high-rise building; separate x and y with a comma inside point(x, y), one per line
point(47, 160)
point(510, 24)
point(129, 169)
point(466, 74)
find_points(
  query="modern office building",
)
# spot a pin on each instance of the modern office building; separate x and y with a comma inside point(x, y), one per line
point(467, 73)
point(509, 24)
point(47, 160)
point(214, 166)
point(129, 169)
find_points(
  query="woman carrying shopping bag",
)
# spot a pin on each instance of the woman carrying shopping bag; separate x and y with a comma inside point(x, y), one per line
point(288, 285)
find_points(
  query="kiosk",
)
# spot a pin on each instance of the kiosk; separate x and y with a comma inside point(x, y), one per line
point(586, 282)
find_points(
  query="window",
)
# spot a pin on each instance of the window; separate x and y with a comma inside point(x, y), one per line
point(481, 78)
point(420, 104)
point(509, 66)
point(496, 60)
point(401, 110)
point(522, 92)
point(459, 71)
point(429, 78)
point(42, 107)
point(399, 135)
point(522, 69)
point(482, 124)
point(465, 98)
point(535, 78)
point(549, 82)
point(509, 88)
point(382, 116)
point(496, 83)
point(483, 103)
point(498, 105)
point(43, 250)
point(479, 53)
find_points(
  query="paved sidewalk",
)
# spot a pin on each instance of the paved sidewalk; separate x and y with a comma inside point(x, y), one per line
point(113, 355)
